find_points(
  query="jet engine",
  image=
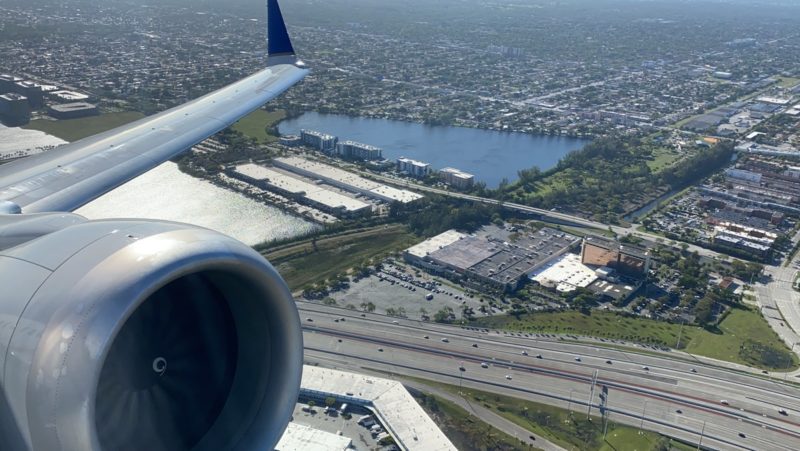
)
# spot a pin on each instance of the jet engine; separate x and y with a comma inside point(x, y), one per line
point(142, 335)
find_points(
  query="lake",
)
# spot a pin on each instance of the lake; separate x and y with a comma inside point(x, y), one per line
point(490, 155)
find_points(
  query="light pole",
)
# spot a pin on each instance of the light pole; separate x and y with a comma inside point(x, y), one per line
point(644, 409)
point(702, 432)
point(569, 405)
point(789, 361)
point(680, 333)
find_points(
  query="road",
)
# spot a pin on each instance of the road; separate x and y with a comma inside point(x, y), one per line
point(677, 398)
point(555, 216)
point(780, 303)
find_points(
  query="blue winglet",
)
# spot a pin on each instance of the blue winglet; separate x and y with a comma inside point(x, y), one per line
point(278, 42)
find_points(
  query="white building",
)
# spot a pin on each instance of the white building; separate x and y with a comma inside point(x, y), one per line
point(352, 149)
point(413, 167)
point(457, 178)
point(319, 141)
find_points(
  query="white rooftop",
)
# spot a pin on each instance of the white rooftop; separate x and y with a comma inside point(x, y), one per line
point(435, 243)
point(403, 418)
point(311, 191)
point(298, 437)
point(565, 273)
point(348, 179)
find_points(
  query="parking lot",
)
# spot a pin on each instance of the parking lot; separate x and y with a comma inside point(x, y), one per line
point(332, 421)
point(398, 286)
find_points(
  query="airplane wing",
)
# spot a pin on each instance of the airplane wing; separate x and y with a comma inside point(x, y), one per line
point(136, 334)
point(74, 174)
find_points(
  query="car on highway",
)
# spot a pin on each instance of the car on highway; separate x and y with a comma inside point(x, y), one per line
point(577, 359)
point(484, 365)
point(694, 370)
point(508, 376)
point(678, 411)
point(524, 352)
point(539, 356)
point(461, 368)
point(445, 340)
point(741, 434)
point(608, 362)
point(474, 345)
point(395, 322)
point(426, 337)
point(782, 412)
point(310, 320)
point(724, 402)
point(646, 368)
point(380, 349)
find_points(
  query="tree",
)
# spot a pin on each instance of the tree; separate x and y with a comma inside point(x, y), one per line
point(445, 315)
point(330, 401)
point(367, 306)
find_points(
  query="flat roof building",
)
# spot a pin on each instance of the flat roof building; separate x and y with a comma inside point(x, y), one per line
point(319, 141)
point(352, 149)
point(627, 259)
point(14, 109)
point(345, 180)
point(404, 419)
point(413, 167)
point(489, 258)
point(311, 194)
point(72, 110)
point(298, 437)
point(456, 177)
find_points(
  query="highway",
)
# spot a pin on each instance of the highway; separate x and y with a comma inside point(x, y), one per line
point(677, 398)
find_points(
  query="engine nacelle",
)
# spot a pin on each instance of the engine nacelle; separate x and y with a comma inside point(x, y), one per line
point(144, 335)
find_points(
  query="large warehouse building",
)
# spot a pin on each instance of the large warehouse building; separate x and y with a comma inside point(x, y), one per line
point(627, 259)
point(345, 180)
point(491, 256)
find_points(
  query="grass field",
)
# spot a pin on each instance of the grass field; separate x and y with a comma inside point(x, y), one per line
point(570, 430)
point(309, 262)
point(255, 124)
point(787, 82)
point(663, 158)
point(463, 430)
point(75, 129)
point(742, 337)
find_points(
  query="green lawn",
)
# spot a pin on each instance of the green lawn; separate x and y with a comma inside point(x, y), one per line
point(304, 265)
point(255, 124)
point(568, 430)
point(742, 337)
point(663, 158)
point(75, 129)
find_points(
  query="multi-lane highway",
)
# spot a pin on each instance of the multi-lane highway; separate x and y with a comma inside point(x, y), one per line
point(730, 409)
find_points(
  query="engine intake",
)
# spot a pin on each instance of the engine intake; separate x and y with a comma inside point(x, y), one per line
point(148, 335)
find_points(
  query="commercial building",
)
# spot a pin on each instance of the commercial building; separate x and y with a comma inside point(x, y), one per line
point(457, 178)
point(298, 437)
point(627, 259)
point(7, 83)
point(490, 257)
point(67, 96)
point(319, 141)
point(345, 180)
point(352, 149)
point(14, 109)
point(314, 195)
point(750, 240)
point(72, 110)
point(564, 274)
point(413, 167)
point(407, 423)
point(32, 91)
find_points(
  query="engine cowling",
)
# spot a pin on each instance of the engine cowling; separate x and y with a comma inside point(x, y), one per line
point(132, 335)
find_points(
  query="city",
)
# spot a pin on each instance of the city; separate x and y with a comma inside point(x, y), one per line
point(512, 225)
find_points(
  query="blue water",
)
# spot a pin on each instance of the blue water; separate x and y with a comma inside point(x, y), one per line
point(490, 155)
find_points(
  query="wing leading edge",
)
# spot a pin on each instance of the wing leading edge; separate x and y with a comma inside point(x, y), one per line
point(74, 174)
